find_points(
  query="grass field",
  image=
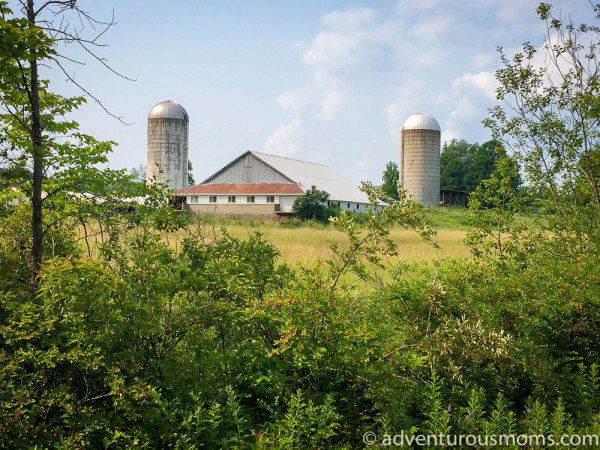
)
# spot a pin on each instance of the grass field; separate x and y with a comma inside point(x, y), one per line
point(307, 244)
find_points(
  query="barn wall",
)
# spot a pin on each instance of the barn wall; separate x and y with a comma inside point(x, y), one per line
point(203, 199)
point(265, 211)
point(248, 170)
point(286, 203)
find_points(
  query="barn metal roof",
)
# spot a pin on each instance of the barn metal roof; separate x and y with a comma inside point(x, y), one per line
point(243, 188)
point(421, 121)
point(308, 174)
point(168, 110)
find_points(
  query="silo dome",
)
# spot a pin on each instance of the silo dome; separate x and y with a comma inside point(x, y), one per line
point(421, 121)
point(168, 110)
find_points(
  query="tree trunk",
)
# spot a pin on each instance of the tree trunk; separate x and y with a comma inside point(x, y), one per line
point(38, 159)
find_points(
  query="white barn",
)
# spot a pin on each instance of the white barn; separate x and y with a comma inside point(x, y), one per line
point(261, 185)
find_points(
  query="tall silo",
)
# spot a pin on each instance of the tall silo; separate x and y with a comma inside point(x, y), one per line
point(420, 158)
point(168, 145)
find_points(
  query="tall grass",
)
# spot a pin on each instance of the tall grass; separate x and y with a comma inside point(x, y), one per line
point(306, 246)
point(306, 243)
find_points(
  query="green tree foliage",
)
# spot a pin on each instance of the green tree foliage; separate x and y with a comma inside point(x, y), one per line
point(552, 126)
point(63, 161)
point(463, 166)
point(190, 179)
point(138, 173)
point(312, 205)
point(163, 332)
point(493, 210)
point(390, 180)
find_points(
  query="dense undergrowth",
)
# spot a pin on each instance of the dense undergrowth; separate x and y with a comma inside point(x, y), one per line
point(218, 346)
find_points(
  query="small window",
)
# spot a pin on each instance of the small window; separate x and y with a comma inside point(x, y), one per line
point(270, 199)
point(213, 199)
point(250, 199)
point(348, 205)
point(338, 204)
point(231, 199)
point(193, 199)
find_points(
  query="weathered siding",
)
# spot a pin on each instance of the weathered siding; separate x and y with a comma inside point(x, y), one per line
point(248, 170)
point(286, 203)
point(168, 151)
point(420, 165)
point(248, 210)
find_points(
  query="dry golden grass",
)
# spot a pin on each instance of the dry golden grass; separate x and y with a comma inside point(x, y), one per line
point(306, 246)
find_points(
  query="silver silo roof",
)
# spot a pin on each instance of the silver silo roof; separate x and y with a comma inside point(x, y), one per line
point(168, 110)
point(421, 121)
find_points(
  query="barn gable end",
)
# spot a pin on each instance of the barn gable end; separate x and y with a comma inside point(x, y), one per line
point(247, 169)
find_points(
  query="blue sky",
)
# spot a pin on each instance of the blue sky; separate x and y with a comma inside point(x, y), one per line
point(329, 82)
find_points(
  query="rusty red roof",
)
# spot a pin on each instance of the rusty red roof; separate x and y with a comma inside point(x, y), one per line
point(242, 188)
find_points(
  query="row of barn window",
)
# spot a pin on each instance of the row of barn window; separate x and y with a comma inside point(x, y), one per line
point(270, 199)
point(232, 199)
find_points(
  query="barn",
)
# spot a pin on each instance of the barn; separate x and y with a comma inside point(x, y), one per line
point(259, 185)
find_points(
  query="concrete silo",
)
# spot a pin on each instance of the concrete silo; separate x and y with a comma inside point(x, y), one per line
point(168, 145)
point(420, 158)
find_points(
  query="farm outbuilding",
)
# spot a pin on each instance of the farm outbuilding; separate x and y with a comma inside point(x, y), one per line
point(262, 185)
point(420, 158)
point(168, 125)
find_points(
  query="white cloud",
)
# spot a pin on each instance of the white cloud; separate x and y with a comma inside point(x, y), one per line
point(476, 84)
point(284, 141)
point(433, 29)
point(472, 95)
point(294, 101)
point(483, 60)
point(351, 19)
point(331, 104)
point(406, 7)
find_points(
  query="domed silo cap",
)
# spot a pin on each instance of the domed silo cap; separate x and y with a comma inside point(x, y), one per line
point(421, 121)
point(168, 110)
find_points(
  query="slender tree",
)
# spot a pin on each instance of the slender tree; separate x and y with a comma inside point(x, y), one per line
point(550, 121)
point(31, 111)
point(390, 180)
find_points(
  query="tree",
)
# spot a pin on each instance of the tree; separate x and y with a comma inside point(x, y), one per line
point(463, 166)
point(312, 205)
point(453, 164)
point(36, 135)
point(138, 173)
point(190, 179)
point(390, 178)
point(552, 125)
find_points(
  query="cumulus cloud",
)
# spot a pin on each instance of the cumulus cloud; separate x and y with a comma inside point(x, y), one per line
point(476, 84)
point(472, 95)
point(351, 19)
point(342, 43)
point(432, 29)
point(331, 104)
point(284, 141)
point(294, 101)
point(386, 64)
point(482, 60)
